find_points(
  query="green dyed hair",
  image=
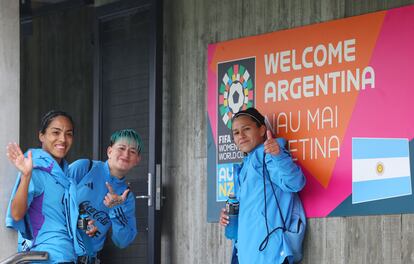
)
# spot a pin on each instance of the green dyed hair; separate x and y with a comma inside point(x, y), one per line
point(130, 135)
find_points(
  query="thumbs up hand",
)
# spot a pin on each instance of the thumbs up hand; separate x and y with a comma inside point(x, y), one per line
point(270, 145)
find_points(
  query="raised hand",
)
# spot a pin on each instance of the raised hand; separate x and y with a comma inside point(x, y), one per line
point(270, 145)
point(23, 164)
point(112, 199)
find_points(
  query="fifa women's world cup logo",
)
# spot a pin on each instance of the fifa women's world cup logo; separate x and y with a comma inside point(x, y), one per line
point(235, 92)
point(236, 83)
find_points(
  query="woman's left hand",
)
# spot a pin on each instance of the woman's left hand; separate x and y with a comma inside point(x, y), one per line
point(112, 199)
point(270, 145)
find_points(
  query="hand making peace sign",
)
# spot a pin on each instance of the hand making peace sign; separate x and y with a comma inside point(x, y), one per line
point(112, 199)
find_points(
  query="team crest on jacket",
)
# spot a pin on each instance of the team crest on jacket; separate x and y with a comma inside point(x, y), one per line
point(89, 185)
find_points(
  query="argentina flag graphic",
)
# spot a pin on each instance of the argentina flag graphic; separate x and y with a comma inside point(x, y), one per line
point(380, 169)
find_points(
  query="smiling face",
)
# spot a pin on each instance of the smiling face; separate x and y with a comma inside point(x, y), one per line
point(57, 138)
point(122, 157)
point(246, 134)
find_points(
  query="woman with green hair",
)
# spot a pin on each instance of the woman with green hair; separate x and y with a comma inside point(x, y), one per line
point(104, 196)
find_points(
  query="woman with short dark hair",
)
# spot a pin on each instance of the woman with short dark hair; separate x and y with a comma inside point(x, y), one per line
point(266, 184)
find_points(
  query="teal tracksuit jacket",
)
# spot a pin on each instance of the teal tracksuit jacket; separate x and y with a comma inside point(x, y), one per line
point(287, 179)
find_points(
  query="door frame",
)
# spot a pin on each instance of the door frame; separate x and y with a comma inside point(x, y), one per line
point(155, 8)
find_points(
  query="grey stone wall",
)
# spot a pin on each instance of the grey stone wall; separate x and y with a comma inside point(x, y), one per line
point(9, 111)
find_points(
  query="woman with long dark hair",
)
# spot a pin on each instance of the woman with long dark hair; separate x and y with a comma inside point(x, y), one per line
point(41, 208)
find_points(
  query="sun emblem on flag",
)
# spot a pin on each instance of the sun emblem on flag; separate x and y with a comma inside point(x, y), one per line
point(236, 92)
point(380, 168)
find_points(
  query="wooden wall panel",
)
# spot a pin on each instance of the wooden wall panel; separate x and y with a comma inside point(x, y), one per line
point(56, 73)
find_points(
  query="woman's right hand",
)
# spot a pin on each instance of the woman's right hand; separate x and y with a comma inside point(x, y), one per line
point(224, 218)
point(91, 229)
point(23, 164)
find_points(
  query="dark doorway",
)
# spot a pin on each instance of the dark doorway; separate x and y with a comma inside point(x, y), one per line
point(125, 96)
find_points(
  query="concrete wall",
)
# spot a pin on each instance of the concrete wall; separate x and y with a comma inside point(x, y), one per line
point(9, 111)
point(187, 237)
